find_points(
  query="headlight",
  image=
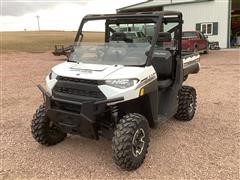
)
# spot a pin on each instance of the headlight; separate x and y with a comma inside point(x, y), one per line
point(52, 75)
point(121, 83)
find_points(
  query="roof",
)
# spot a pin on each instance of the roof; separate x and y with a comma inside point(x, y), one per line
point(132, 15)
point(156, 3)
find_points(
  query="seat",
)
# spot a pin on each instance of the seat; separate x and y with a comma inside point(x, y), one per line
point(120, 36)
point(162, 61)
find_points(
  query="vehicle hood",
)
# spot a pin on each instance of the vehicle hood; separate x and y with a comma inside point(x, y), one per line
point(95, 71)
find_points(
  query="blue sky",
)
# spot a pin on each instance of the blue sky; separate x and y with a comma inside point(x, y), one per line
point(17, 15)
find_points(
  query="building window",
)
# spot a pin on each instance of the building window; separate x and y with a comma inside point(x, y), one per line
point(207, 28)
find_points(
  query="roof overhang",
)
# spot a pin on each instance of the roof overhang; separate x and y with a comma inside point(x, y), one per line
point(153, 4)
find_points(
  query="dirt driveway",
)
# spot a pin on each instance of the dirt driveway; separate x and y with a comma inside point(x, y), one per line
point(205, 148)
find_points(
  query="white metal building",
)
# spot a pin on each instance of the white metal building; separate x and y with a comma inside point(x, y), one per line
point(212, 17)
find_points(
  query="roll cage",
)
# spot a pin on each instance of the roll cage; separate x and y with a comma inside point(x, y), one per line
point(158, 17)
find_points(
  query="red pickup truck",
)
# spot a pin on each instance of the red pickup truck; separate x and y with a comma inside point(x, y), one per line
point(194, 41)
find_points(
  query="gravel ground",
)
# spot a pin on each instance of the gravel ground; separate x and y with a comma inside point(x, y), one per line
point(205, 148)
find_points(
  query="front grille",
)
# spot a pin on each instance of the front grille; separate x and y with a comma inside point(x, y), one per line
point(75, 89)
point(84, 81)
point(79, 92)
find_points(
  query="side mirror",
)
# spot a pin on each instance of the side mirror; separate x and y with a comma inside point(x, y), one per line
point(164, 37)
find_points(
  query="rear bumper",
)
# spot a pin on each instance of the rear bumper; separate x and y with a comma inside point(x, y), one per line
point(191, 69)
point(75, 117)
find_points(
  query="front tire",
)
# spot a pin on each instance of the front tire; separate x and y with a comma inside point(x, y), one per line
point(187, 103)
point(130, 141)
point(43, 130)
point(195, 49)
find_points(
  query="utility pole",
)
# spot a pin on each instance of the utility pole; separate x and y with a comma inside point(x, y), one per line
point(38, 22)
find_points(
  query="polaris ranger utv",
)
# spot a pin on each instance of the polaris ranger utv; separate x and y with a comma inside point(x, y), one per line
point(116, 88)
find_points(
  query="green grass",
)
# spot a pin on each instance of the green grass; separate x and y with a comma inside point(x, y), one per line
point(39, 41)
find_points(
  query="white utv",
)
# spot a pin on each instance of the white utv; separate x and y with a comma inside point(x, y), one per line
point(118, 89)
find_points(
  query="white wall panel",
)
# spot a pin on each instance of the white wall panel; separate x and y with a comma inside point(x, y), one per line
point(212, 11)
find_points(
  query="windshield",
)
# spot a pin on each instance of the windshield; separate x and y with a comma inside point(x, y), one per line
point(189, 35)
point(111, 53)
point(114, 42)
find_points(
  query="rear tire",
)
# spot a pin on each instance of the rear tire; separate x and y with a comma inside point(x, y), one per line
point(187, 103)
point(43, 130)
point(207, 50)
point(130, 141)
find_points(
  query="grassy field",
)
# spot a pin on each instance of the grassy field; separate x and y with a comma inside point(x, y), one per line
point(35, 41)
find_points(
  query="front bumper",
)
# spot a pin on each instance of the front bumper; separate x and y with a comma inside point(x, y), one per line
point(75, 117)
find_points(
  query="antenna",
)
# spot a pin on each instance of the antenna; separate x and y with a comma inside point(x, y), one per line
point(38, 22)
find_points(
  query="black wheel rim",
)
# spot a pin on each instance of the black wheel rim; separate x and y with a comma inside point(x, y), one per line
point(138, 142)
